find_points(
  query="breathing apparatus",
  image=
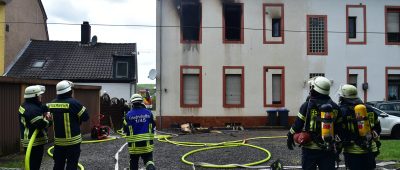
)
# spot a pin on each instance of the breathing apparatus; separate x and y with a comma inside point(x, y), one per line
point(363, 124)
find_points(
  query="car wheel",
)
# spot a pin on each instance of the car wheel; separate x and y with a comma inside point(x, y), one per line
point(396, 132)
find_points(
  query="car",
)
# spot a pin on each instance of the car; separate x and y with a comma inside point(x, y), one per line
point(390, 107)
point(390, 124)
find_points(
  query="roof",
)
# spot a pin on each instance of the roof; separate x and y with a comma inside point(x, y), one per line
point(72, 61)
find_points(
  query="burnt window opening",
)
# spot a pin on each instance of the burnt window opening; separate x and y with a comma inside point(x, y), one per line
point(233, 22)
point(276, 27)
point(191, 21)
point(7, 28)
point(352, 27)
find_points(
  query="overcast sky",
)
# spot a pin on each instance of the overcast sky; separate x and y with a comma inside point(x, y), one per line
point(114, 12)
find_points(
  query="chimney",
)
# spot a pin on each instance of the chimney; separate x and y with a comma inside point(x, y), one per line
point(85, 32)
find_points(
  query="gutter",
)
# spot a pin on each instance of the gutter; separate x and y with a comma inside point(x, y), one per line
point(160, 56)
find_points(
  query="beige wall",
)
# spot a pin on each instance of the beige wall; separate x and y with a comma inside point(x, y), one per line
point(20, 33)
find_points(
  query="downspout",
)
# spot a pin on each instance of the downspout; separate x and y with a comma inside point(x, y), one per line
point(160, 56)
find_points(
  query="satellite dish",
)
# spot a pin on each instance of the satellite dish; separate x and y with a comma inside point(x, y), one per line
point(152, 74)
point(94, 40)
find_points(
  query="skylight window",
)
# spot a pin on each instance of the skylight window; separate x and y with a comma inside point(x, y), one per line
point(38, 64)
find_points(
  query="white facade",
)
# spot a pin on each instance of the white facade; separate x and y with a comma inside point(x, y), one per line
point(212, 54)
point(118, 90)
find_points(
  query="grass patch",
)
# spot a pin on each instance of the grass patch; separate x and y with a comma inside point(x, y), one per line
point(13, 161)
point(389, 150)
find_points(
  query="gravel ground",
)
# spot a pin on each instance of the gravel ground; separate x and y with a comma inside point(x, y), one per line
point(168, 156)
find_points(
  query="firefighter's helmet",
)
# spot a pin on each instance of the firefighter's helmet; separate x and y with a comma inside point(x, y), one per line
point(136, 98)
point(64, 86)
point(321, 85)
point(348, 91)
point(33, 91)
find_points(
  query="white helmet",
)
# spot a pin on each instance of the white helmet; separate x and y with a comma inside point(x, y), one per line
point(136, 98)
point(348, 91)
point(33, 91)
point(64, 86)
point(321, 85)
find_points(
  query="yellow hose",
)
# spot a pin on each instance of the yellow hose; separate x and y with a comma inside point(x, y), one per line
point(236, 143)
point(29, 149)
point(226, 145)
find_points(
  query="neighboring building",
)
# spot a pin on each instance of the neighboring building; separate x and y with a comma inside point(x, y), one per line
point(20, 21)
point(110, 65)
point(228, 61)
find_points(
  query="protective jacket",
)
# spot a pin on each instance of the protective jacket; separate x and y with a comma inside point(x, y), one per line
point(139, 129)
point(68, 114)
point(309, 119)
point(352, 142)
point(31, 118)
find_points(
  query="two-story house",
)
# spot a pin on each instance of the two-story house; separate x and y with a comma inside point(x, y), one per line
point(229, 61)
point(20, 21)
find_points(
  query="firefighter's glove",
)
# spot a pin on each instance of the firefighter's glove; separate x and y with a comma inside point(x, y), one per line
point(290, 141)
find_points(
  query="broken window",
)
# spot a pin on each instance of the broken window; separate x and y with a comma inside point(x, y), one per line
point(353, 79)
point(233, 22)
point(191, 21)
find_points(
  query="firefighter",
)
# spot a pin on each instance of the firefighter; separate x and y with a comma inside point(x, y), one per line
point(68, 114)
point(139, 129)
point(33, 115)
point(316, 127)
point(361, 130)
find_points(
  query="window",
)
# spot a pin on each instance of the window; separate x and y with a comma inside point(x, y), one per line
point(38, 64)
point(356, 24)
point(352, 27)
point(274, 86)
point(312, 75)
point(276, 27)
point(233, 86)
point(233, 22)
point(317, 39)
point(392, 25)
point(122, 69)
point(191, 87)
point(353, 79)
point(273, 23)
point(392, 83)
point(190, 22)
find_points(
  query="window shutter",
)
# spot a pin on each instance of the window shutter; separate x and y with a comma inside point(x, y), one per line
point(393, 19)
point(233, 88)
point(276, 88)
point(191, 88)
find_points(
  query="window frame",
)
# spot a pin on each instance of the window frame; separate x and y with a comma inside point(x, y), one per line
point(225, 104)
point(182, 102)
point(116, 69)
point(364, 68)
point(386, 22)
point(282, 41)
point(325, 17)
point(387, 69)
point(226, 41)
point(266, 68)
point(200, 29)
point(364, 42)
